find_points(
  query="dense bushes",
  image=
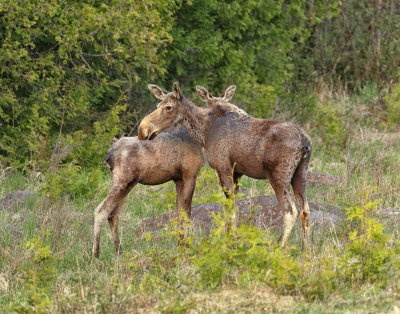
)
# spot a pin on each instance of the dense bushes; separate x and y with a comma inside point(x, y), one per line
point(63, 66)
point(74, 75)
point(251, 44)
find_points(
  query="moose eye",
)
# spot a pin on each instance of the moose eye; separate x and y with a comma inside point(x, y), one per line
point(168, 108)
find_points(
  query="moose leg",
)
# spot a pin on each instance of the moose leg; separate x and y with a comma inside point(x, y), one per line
point(225, 179)
point(185, 200)
point(285, 203)
point(188, 190)
point(227, 182)
point(113, 219)
point(103, 211)
point(289, 211)
point(236, 177)
point(179, 205)
point(99, 216)
point(302, 203)
point(299, 188)
point(179, 194)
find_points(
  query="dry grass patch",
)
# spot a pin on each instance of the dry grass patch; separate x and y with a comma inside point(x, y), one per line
point(252, 300)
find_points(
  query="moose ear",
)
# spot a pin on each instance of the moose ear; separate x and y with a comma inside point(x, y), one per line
point(177, 91)
point(203, 93)
point(157, 91)
point(228, 94)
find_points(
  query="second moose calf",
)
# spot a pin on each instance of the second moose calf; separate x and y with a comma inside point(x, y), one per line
point(171, 156)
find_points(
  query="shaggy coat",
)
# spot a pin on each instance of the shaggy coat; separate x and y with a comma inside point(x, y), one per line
point(171, 156)
point(238, 144)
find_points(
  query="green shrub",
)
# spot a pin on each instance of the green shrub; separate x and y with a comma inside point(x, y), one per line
point(38, 273)
point(301, 106)
point(74, 182)
point(240, 255)
point(81, 171)
point(320, 278)
point(368, 256)
point(207, 184)
point(329, 125)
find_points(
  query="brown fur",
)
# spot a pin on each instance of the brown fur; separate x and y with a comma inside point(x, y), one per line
point(171, 156)
point(242, 145)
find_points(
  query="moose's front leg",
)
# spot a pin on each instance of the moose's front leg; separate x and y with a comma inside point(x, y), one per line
point(227, 183)
point(184, 201)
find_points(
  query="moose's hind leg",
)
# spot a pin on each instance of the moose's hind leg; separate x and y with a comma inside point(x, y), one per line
point(113, 219)
point(281, 186)
point(108, 206)
point(100, 213)
point(290, 214)
point(299, 188)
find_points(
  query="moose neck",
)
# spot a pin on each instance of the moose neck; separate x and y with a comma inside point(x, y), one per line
point(195, 121)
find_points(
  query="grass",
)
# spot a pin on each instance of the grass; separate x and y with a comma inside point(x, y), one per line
point(154, 275)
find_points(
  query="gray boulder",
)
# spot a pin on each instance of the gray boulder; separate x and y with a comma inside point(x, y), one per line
point(17, 199)
point(262, 211)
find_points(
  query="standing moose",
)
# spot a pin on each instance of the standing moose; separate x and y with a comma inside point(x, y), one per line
point(171, 156)
point(240, 145)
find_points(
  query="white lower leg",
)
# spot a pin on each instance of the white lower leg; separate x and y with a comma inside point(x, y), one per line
point(304, 221)
point(289, 219)
point(98, 223)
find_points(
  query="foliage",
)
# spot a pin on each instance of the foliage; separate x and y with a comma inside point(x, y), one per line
point(368, 256)
point(73, 76)
point(245, 273)
point(73, 181)
point(329, 125)
point(240, 255)
point(359, 45)
point(64, 64)
point(39, 272)
point(246, 254)
point(320, 278)
point(77, 162)
point(251, 46)
point(89, 150)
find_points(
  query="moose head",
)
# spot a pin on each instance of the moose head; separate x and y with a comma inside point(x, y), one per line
point(168, 112)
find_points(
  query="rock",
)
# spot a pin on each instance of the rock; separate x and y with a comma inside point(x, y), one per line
point(16, 199)
point(262, 211)
point(15, 231)
point(393, 213)
point(315, 178)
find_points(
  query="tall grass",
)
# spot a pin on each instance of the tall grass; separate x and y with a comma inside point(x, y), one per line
point(47, 266)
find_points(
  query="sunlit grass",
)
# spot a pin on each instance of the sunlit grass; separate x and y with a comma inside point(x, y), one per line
point(151, 277)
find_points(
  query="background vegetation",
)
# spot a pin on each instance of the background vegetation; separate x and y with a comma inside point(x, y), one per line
point(73, 76)
point(66, 66)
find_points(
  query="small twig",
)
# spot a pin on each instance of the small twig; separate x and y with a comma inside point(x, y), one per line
point(96, 54)
point(95, 31)
point(85, 61)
